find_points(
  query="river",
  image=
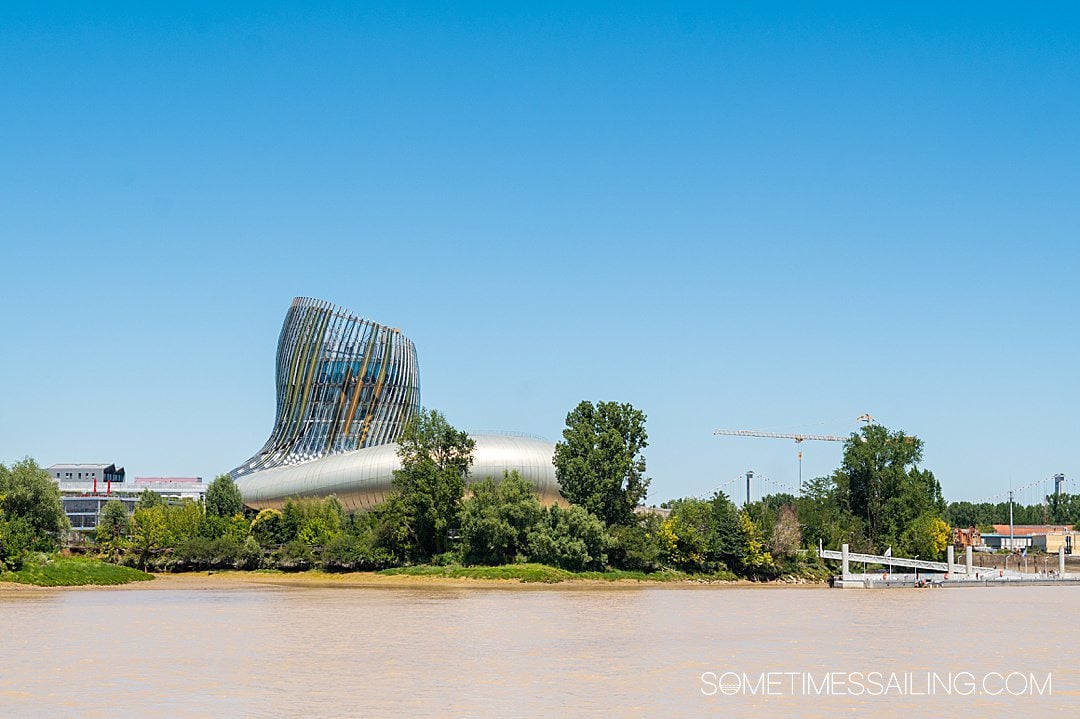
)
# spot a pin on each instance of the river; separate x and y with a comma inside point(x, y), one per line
point(432, 650)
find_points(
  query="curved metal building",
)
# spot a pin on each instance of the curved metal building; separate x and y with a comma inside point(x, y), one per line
point(343, 383)
point(346, 388)
point(361, 479)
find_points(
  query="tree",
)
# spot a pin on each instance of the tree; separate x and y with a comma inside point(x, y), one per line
point(428, 489)
point(599, 464)
point(496, 520)
point(149, 498)
point(223, 497)
point(687, 535)
point(312, 521)
point(879, 483)
point(29, 497)
point(113, 522)
point(786, 535)
point(927, 537)
point(755, 560)
point(636, 547)
point(268, 528)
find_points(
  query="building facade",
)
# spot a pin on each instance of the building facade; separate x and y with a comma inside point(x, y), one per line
point(346, 389)
point(106, 473)
point(84, 499)
point(343, 383)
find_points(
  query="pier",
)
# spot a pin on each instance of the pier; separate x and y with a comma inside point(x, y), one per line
point(936, 574)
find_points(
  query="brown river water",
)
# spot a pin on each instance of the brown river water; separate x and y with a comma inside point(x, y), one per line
point(432, 650)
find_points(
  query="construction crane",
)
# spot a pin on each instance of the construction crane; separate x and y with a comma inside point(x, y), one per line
point(799, 439)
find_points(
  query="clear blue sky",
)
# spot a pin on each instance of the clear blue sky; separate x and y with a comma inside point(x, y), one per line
point(758, 216)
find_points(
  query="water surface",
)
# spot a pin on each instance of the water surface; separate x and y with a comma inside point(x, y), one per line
point(562, 651)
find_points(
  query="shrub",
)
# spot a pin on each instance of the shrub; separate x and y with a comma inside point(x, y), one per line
point(496, 520)
point(635, 547)
point(312, 521)
point(294, 556)
point(250, 555)
point(570, 538)
point(351, 553)
point(268, 528)
point(194, 553)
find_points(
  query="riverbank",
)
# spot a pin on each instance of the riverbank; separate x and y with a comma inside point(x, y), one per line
point(472, 577)
point(71, 572)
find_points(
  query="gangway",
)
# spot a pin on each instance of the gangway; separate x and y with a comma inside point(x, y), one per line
point(901, 562)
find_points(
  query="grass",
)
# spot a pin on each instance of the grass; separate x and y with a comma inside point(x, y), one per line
point(73, 572)
point(545, 574)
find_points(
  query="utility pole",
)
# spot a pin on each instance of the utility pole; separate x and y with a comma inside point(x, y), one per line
point(1012, 541)
point(749, 476)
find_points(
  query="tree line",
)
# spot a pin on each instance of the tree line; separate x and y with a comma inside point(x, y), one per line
point(878, 498)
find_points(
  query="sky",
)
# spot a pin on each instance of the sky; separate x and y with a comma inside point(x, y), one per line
point(757, 216)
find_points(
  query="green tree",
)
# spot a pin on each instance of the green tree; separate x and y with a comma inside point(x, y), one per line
point(149, 498)
point(636, 547)
point(880, 483)
point(926, 536)
point(29, 497)
point(428, 489)
point(599, 464)
point(311, 520)
point(15, 541)
point(755, 560)
point(687, 536)
point(150, 531)
point(496, 519)
point(223, 497)
point(113, 522)
point(268, 528)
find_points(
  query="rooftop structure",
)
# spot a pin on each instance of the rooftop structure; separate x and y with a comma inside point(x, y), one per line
point(86, 472)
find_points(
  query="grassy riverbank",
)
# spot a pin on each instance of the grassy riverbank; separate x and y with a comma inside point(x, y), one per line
point(79, 571)
point(73, 572)
point(549, 575)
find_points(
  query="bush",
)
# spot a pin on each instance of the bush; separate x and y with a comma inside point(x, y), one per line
point(312, 521)
point(496, 520)
point(268, 528)
point(294, 556)
point(350, 553)
point(15, 541)
point(570, 538)
point(250, 555)
point(635, 547)
point(194, 553)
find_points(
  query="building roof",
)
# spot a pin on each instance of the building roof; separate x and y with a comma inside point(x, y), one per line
point(81, 466)
point(1032, 528)
point(168, 480)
